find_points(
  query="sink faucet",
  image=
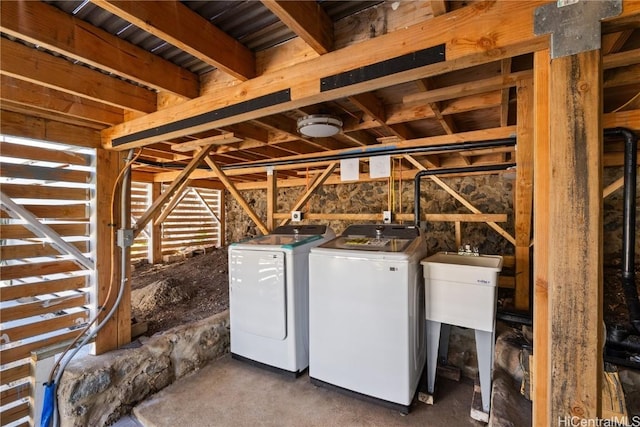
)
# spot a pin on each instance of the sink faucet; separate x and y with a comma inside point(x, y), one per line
point(466, 249)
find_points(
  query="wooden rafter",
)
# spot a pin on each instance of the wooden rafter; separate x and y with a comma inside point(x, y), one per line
point(24, 63)
point(307, 19)
point(194, 34)
point(319, 180)
point(46, 26)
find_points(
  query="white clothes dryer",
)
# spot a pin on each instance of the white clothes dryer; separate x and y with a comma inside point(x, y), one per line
point(269, 297)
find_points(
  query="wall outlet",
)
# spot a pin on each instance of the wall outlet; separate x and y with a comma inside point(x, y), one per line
point(296, 216)
point(386, 217)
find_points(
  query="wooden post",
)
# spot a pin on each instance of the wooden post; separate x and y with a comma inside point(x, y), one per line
point(541, 373)
point(523, 192)
point(118, 330)
point(155, 245)
point(272, 198)
point(222, 216)
point(575, 241)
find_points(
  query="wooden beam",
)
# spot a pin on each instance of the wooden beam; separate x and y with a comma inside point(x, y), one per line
point(523, 192)
point(307, 19)
point(25, 63)
point(541, 393)
point(466, 217)
point(236, 194)
point(183, 176)
point(611, 188)
point(305, 88)
point(272, 197)
point(183, 28)
point(222, 139)
point(319, 180)
point(575, 255)
point(33, 95)
point(621, 59)
point(438, 7)
point(505, 69)
point(467, 89)
point(47, 26)
point(154, 246)
point(26, 126)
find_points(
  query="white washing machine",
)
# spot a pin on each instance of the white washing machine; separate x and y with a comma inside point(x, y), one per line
point(366, 313)
point(269, 297)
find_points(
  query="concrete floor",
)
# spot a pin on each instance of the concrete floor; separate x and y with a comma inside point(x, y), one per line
point(228, 392)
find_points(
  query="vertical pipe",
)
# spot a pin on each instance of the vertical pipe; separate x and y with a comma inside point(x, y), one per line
point(629, 222)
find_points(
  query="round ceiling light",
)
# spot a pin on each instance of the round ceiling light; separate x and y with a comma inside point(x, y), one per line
point(319, 125)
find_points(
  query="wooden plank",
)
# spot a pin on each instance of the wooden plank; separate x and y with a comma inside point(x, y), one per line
point(24, 63)
point(236, 194)
point(318, 181)
point(308, 20)
point(27, 126)
point(225, 138)
point(16, 353)
point(51, 28)
point(523, 198)
point(36, 250)
point(335, 217)
point(611, 188)
point(575, 259)
point(28, 152)
point(41, 288)
point(18, 231)
point(466, 217)
point(49, 305)
point(473, 21)
point(194, 35)
point(15, 373)
point(628, 119)
point(175, 185)
point(438, 7)
point(16, 191)
point(14, 413)
point(12, 170)
point(67, 212)
point(10, 272)
point(29, 330)
point(17, 392)
point(541, 375)
point(622, 59)
point(179, 194)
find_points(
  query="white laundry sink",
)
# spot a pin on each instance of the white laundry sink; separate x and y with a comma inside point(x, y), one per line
point(461, 290)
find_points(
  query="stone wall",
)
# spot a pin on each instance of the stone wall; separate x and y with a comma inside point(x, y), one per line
point(99, 390)
point(489, 193)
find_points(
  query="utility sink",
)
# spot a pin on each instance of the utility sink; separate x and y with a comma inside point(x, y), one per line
point(461, 290)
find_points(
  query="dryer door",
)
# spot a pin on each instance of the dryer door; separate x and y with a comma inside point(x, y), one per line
point(258, 293)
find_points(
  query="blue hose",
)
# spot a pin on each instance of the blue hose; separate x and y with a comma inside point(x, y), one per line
point(48, 404)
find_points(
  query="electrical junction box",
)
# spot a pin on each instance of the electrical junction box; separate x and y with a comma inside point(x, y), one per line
point(124, 237)
point(386, 217)
point(296, 216)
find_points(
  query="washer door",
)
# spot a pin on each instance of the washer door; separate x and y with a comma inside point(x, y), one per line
point(258, 293)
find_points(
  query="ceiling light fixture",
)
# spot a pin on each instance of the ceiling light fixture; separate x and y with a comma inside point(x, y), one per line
point(319, 125)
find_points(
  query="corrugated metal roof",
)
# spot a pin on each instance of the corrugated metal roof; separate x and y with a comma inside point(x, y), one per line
point(247, 21)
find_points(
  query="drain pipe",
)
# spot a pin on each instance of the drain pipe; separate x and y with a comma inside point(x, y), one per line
point(629, 222)
point(449, 171)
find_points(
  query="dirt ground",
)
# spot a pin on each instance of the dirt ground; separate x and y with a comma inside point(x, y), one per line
point(167, 295)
